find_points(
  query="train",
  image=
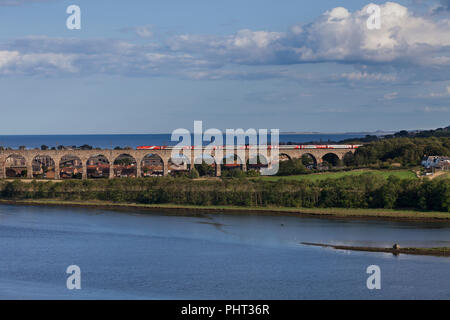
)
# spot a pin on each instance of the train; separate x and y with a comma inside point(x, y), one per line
point(324, 146)
point(314, 146)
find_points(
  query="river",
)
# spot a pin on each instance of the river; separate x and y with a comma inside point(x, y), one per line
point(131, 255)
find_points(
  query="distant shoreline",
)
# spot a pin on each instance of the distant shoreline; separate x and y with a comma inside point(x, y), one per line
point(325, 213)
point(376, 133)
point(379, 132)
point(133, 140)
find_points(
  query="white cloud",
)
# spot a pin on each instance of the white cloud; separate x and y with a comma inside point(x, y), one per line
point(244, 47)
point(336, 36)
point(403, 37)
point(7, 58)
point(37, 63)
point(405, 42)
point(358, 76)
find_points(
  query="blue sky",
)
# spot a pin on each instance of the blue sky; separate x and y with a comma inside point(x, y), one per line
point(154, 66)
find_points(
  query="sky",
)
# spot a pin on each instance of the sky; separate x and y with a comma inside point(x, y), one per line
point(140, 66)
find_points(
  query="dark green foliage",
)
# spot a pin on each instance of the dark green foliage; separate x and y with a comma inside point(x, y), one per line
point(86, 147)
point(205, 169)
point(193, 174)
point(233, 173)
point(291, 167)
point(253, 173)
point(125, 161)
point(406, 151)
point(364, 191)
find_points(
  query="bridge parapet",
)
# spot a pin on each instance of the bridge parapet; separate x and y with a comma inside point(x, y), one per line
point(165, 154)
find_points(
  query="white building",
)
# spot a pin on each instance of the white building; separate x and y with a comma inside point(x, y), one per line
point(437, 162)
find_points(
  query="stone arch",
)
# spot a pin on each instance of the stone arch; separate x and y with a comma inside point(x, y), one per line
point(206, 166)
point(98, 167)
point(179, 165)
point(125, 166)
point(257, 162)
point(232, 162)
point(70, 167)
point(43, 167)
point(152, 165)
point(15, 166)
point(331, 158)
point(309, 160)
point(284, 157)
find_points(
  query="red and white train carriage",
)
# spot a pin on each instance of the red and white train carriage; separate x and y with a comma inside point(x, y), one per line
point(315, 146)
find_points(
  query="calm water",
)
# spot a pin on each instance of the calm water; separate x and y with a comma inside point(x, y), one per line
point(125, 255)
point(134, 140)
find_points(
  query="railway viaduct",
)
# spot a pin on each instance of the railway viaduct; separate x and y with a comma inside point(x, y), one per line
point(165, 155)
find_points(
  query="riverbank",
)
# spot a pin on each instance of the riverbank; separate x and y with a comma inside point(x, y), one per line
point(389, 197)
point(329, 213)
point(436, 252)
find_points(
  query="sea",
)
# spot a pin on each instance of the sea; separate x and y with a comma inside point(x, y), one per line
point(110, 141)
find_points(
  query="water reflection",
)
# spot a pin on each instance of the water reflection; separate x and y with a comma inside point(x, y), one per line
point(151, 256)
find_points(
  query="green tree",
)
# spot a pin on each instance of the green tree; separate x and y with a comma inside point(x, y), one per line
point(291, 167)
point(205, 169)
point(307, 160)
point(193, 174)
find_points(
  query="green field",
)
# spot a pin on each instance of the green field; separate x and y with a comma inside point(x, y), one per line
point(403, 174)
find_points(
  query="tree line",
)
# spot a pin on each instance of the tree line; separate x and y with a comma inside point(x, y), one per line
point(405, 151)
point(384, 153)
point(364, 191)
point(406, 148)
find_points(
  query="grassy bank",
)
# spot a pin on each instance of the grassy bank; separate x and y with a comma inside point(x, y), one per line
point(354, 193)
point(401, 174)
point(386, 214)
